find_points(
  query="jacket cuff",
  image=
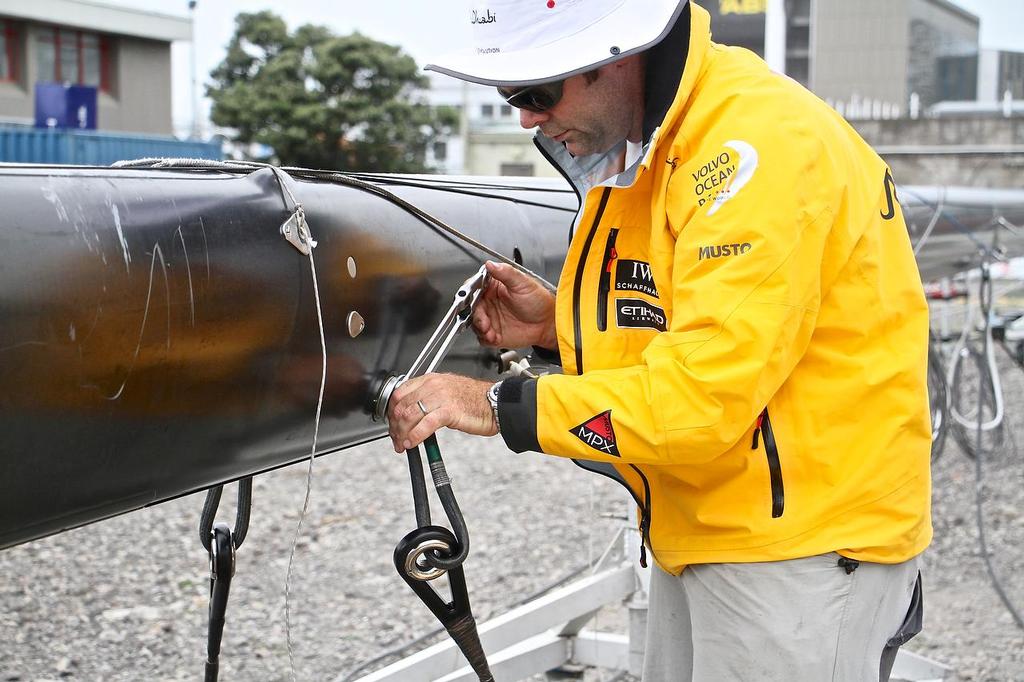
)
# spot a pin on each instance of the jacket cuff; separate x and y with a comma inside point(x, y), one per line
point(552, 357)
point(517, 413)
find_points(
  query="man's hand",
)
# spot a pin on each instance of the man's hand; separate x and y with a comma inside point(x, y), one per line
point(515, 311)
point(449, 400)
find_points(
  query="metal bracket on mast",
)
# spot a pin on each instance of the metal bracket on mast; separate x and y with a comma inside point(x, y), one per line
point(296, 231)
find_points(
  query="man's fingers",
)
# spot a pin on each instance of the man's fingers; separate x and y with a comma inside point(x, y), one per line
point(409, 425)
point(485, 321)
point(430, 423)
point(506, 274)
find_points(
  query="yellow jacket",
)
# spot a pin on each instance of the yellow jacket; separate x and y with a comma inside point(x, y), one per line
point(743, 329)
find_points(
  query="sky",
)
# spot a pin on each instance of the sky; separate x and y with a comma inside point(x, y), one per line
point(424, 28)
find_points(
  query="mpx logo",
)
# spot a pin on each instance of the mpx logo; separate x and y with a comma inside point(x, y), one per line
point(598, 433)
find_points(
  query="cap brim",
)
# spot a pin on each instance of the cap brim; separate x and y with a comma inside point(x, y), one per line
point(633, 27)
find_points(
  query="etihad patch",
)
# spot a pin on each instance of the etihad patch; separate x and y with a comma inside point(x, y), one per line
point(721, 178)
point(635, 313)
point(635, 275)
point(598, 433)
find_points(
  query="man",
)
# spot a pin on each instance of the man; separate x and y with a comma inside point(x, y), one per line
point(743, 334)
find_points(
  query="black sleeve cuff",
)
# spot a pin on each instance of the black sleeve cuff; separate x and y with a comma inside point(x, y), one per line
point(552, 357)
point(517, 413)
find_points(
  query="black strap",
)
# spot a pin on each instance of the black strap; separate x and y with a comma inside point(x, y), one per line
point(241, 513)
point(456, 615)
point(221, 542)
point(222, 569)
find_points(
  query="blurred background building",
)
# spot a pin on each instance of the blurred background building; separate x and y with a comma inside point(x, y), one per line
point(877, 58)
point(911, 75)
point(123, 54)
point(489, 140)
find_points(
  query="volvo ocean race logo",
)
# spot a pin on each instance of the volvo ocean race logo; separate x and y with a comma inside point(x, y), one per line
point(722, 177)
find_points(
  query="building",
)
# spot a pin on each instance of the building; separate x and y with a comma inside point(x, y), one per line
point(490, 140)
point(1000, 72)
point(125, 53)
point(869, 55)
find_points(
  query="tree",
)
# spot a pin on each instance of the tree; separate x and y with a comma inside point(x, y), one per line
point(322, 100)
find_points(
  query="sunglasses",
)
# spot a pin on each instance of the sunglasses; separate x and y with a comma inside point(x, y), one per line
point(535, 98)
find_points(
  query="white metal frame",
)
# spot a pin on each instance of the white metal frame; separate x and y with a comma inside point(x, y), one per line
point(549, 632)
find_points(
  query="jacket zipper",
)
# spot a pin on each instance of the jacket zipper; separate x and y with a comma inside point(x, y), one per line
point(645, 517)
point(577, 284)
point(764, 425)
point(644, 504)
point(610, 255)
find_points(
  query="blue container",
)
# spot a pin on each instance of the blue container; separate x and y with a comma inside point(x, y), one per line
point(65, 106)
point(90, 148)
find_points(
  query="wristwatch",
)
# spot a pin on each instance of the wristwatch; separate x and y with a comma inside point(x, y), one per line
point(492, 398)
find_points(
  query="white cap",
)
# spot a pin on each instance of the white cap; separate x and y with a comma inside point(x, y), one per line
point(524, 42)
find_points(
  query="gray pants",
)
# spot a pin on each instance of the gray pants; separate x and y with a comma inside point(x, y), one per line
point(803, 620)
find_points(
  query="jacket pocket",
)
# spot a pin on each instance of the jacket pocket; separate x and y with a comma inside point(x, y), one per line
point(605, 283)
point(912, 624)
point(764, 428)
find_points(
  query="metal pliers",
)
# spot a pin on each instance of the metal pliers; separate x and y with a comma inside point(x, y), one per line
point(454, 321)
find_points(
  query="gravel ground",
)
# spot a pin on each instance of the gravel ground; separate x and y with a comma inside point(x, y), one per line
point(127, 599)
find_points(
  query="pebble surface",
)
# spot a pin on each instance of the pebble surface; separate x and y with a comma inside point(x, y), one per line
point(126, 599)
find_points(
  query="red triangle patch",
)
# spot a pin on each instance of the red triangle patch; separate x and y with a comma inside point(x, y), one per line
point(598, 433)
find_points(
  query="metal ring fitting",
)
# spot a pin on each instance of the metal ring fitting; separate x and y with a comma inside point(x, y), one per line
point(413, 567)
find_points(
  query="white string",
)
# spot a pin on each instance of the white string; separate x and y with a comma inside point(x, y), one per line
point(309, 475)
point(316, 433)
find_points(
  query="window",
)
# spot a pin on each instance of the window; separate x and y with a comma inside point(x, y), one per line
point(8, 52)
point(520, 169)
point(506, 110)
point(440, 151)
point(75, 57)
point(487, 110)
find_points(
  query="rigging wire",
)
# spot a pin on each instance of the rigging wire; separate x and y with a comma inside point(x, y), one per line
point(997, 585)
point(938, 396)
point(991, 393)
point(423, 216)
point(457, 188)
point(988, 384)
point(461, 181)
point(940, 209)
point(988, 374)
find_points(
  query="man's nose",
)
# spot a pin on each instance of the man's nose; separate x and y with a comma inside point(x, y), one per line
point(531, 119)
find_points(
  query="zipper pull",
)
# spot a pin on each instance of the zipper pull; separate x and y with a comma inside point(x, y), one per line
point(612, 256)
point(757, 429)
point(643, 555)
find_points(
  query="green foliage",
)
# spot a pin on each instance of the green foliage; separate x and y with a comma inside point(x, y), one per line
point(324, 101)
